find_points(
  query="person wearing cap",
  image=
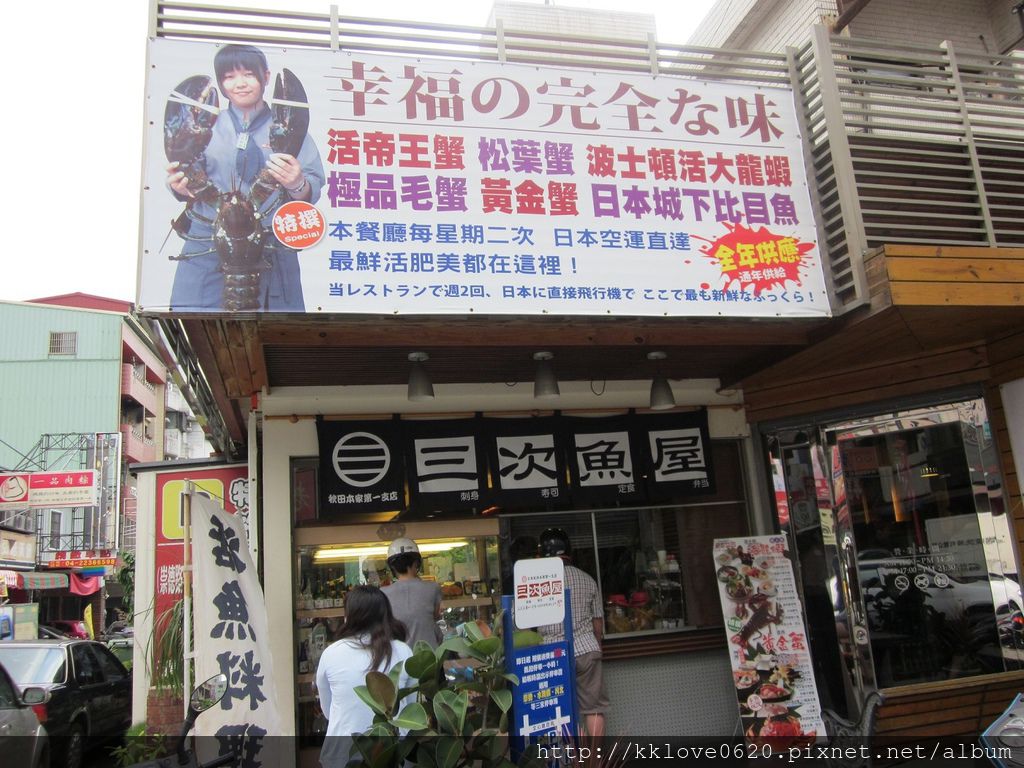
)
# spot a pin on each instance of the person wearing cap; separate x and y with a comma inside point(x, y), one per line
point(587, 631)
point(415, 603)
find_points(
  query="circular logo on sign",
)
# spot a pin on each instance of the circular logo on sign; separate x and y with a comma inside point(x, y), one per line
point(361, 459)
point(941, 580)
point(902, 583)
point(298, 224)
point(921, 581)
point(14, 488)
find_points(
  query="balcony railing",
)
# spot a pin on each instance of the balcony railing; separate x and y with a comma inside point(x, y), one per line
point(911, 144)
point(138, 389)
point(907, 144)
point(135, 445)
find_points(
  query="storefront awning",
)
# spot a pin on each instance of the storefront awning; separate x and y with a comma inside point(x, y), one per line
point(36, 580)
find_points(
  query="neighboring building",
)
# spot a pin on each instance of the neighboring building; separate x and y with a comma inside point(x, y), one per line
point(885, 434)
point(81, 387)
point(977, 26)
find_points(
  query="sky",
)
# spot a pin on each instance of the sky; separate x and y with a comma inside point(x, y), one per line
point(71, 137)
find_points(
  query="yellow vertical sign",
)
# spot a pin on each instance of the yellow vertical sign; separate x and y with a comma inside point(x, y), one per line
point(172, 522)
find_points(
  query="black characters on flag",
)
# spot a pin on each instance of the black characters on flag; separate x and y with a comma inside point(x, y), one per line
point(677, 450)
point(527, 461)
point(604, 460)
point(360, 468)
point(447, 466)
point(231, 636)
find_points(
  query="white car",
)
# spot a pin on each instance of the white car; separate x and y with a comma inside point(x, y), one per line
point(23, 739)
point(883, 577)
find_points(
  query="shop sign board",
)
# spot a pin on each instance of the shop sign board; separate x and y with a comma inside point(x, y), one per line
point(539, 591)
point(767, 641)
point(83, 559)
point(228, 486)
point(35, 490)
point(17, 549)
point(443, 187)
point(512, 463)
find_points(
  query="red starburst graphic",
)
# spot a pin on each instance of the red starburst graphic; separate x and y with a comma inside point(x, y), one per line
point(758, 259)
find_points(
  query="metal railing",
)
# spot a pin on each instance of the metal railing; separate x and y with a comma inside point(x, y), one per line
point(905, 143)
point(191, 21)
point(910, 144)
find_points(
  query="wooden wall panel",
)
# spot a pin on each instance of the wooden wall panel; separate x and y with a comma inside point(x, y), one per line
point(955, 710)
point(863, 380)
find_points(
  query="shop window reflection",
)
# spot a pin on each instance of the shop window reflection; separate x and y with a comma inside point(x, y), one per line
point(935, 607)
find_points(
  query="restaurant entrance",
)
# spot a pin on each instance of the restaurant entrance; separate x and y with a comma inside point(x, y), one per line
point(903, 548)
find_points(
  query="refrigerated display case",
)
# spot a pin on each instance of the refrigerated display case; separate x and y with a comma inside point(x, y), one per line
point(330, 561)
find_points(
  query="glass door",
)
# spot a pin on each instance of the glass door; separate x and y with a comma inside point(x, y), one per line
point(919, 507)
point(804, 505)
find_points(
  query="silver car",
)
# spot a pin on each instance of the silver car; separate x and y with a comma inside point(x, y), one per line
point(23, 739)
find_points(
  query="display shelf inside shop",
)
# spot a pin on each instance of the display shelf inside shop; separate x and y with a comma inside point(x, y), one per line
point(319, 613)
point(468, 601)
point(647, 632)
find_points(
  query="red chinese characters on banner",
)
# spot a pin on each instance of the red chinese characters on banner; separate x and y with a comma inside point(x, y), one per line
point(758, 259)
point(539, 589)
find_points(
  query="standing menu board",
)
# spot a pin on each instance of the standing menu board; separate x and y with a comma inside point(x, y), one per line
point(771, 660)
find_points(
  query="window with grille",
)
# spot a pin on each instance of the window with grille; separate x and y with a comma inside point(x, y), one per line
point(55, 526)
point(63, 342)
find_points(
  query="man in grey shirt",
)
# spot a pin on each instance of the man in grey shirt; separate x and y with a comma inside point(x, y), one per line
point(415, 603)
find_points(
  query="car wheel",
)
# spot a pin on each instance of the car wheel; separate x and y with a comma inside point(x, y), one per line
point(74, 748)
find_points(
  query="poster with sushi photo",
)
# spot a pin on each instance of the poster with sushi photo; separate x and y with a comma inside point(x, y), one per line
point(768, 648)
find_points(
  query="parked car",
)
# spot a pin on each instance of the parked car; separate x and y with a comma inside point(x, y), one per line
point(23, 739)
point(982, 595)
point(90, 692)
point(71, 628)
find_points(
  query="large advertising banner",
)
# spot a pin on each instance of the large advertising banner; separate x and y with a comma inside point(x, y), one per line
point(771, 659)
point(382, 185)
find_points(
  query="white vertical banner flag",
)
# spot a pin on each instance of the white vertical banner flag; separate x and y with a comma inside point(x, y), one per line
point(231, 636)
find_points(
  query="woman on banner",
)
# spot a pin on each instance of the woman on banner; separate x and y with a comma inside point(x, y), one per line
point(238, 150)
point(371, 639)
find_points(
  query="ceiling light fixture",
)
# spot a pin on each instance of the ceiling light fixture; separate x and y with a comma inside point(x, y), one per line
point(420, 388)
point(545, 383)
point(661, 391)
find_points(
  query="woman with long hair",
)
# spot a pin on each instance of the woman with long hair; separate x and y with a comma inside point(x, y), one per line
point(371, 639)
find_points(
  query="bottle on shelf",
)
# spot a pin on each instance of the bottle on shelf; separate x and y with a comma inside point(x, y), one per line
point(318, 593)
point(306, 595)
point(303, 658)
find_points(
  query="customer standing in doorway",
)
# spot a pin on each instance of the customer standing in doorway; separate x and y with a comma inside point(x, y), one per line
point(587, 631)
point(371, 639)
point(415, 603)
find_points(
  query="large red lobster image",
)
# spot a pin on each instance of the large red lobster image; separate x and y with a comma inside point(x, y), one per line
point(238, 235)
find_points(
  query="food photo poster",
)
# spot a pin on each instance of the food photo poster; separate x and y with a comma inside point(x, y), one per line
point(768, 648)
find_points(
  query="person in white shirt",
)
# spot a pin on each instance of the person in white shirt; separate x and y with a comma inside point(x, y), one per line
point(371, 639)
